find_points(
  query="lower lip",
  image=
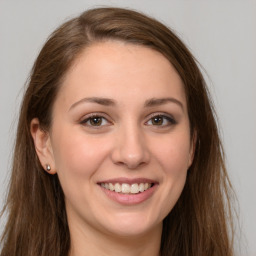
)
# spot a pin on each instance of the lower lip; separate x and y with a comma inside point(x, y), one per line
point(130, 199)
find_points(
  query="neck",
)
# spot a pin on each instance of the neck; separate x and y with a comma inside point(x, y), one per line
point(86, 243)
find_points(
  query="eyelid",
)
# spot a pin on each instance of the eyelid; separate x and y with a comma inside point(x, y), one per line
point(169, 117)
point(87, 117)
point(171, 120)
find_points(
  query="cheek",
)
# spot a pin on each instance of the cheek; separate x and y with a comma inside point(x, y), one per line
point(77, 157)
point(175, 165)
point(174, 155)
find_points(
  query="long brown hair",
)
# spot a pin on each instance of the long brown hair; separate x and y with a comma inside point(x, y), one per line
point(199, 224)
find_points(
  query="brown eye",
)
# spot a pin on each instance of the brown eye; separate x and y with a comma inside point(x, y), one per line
point(161, 120)
point(95, 121)
point(157, 120)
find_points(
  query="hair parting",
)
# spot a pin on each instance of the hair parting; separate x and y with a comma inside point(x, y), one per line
point(201, 221)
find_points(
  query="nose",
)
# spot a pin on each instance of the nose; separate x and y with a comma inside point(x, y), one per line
point(130, 149)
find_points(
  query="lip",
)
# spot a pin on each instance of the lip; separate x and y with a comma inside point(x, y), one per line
point(129, 199)
point(128, 181)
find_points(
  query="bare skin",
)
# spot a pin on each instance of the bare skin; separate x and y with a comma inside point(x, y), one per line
point(120, 119)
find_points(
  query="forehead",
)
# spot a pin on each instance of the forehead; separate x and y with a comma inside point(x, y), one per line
point(117, 69)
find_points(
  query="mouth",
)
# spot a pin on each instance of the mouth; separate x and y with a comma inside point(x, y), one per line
point(129, 191)
point(126, 188)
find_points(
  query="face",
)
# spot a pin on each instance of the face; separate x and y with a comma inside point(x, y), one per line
point(120, 139)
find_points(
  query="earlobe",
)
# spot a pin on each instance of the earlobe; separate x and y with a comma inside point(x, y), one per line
point(43, 146)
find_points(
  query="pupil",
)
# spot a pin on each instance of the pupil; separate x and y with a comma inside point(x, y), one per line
point(158, 120)
point(96, 121)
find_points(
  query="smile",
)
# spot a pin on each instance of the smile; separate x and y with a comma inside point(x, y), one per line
point(126, 188)
point(129, 191)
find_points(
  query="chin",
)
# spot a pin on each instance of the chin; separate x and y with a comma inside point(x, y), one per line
point(132, 225)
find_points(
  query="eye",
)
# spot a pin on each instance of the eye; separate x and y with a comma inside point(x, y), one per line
point(161, 120)
point(95, 121)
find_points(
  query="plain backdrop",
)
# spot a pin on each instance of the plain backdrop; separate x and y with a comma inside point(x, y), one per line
point(220, 33)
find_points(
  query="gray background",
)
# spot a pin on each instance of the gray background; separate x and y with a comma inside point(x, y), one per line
point(222, 36)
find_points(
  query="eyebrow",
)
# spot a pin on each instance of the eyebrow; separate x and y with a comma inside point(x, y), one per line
point(100, 101)
point(154, 102)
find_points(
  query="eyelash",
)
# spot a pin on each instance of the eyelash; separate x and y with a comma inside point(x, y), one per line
point(165, 118)
point(91, 117)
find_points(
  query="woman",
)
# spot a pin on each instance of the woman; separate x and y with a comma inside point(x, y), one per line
point(117, 149)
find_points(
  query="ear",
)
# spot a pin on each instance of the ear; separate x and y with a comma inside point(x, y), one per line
point(43, 146)
point(192, 148)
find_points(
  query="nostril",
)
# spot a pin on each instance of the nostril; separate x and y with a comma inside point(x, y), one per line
point(130, 151)
point(135, 164)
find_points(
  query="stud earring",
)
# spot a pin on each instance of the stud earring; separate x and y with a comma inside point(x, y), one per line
point(48, 167)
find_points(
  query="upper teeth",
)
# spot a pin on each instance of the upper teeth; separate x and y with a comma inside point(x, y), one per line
point(125, 188)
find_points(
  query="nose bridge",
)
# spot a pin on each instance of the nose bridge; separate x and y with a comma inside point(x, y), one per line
point(130, 147)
